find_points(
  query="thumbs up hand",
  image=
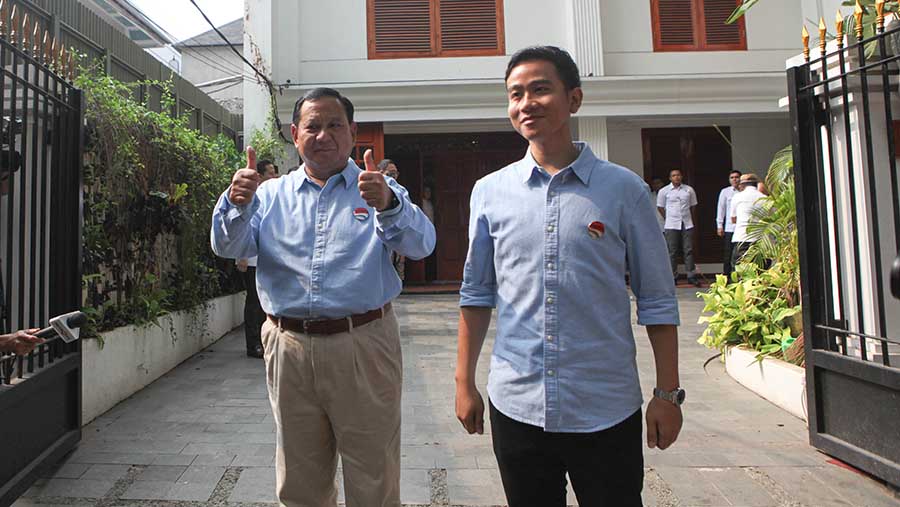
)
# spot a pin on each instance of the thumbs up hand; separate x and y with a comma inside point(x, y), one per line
point(245, 181)
point(372, 186)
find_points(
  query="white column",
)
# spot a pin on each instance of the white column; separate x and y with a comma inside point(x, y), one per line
point(592, 130)
point(258, 31)
point(588, 43)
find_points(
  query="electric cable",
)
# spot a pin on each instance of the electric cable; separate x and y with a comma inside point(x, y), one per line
point(262, 76)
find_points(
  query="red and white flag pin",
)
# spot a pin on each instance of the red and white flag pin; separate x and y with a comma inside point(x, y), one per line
point(596, 229)
point(361, 214)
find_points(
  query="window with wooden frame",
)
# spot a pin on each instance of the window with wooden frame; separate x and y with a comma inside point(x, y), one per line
point(696, 25)
point(433, 28)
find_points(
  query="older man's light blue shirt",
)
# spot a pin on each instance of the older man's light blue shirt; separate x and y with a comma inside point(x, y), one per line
point(323, 252)
point(564, 355)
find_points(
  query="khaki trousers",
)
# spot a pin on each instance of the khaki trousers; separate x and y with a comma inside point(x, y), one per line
point(335, 394)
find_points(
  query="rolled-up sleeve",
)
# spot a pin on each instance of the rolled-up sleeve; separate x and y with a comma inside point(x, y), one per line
point(405, 229)
point(234, 228)
point(479, 287)
point(648, 262)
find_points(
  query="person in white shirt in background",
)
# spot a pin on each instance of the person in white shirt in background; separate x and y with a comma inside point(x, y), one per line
point(741, 214)
point(676, 203)
point(724, 227)
point(254, 316)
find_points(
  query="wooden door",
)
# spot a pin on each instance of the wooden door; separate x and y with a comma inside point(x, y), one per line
point(451, 164)
point(704, 158)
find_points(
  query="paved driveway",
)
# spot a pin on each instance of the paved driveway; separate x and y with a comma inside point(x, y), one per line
point(203, 435)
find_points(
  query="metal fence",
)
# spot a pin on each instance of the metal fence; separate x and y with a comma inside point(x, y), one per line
point(40, 254)
point(76, 26)
point(843, 106)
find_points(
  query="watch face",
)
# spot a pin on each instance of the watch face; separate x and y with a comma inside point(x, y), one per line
point(680, 396)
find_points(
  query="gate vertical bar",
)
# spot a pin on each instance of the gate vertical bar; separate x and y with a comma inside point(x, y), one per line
point(803, 112)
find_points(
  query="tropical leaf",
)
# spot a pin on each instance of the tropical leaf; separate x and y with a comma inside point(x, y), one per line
point(740, 11)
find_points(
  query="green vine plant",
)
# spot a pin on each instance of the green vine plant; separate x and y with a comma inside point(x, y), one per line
point(266, 142)
point(150, 183)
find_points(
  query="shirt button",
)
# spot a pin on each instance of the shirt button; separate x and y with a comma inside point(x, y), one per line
point(549, 338)
point(550, 300)
point(549, 228)
point(549, 265)
point(550, 373)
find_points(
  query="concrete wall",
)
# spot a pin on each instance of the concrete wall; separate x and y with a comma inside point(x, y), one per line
point(202, 64)
point(130, 358)
point(773, 35)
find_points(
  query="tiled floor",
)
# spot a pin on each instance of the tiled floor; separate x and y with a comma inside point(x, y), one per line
point(203, 435)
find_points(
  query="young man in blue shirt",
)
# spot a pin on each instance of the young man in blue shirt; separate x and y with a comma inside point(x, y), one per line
point(549, 237)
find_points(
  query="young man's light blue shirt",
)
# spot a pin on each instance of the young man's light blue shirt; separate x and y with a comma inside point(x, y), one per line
point(564, 355)
point(323, 252)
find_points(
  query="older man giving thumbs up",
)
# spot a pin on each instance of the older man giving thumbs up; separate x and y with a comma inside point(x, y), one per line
point(324, 236)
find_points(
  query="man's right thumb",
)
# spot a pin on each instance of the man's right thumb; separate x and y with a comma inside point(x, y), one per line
point(251, 158)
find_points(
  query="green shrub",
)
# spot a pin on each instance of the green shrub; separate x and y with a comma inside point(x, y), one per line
point(749, 311)
point(759, 306)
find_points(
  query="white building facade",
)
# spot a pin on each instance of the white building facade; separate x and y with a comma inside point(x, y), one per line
point(666, 85)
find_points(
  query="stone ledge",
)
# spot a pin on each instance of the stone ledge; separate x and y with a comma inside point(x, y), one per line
point(132, 357)
point(777, 381)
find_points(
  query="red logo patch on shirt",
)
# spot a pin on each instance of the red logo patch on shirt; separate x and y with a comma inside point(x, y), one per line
point(596, 229)
point(361, 214)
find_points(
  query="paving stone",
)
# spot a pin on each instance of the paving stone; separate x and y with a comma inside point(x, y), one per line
point(692, 488)
point(212, 412)
point(174, 459)
point(73, 488)
point(737, 487)
point(148, 490)
point(161, 473)
point(415, 486)
point(475, 487)
point(68, 471)
point(213, 459)
point(255, 485)
point(106, 472)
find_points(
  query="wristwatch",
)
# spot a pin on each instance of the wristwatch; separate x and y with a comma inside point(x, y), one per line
point(675, 396)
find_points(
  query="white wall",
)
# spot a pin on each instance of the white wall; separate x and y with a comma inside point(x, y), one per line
point(773, 35)
point(202, 64)
point(755, 140)
point(258, 16)
point(330, 44)
point(131, 357)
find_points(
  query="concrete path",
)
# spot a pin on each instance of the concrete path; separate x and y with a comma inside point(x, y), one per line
point(204, 435)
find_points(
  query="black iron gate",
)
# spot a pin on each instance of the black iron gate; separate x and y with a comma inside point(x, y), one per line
point(40, 252)
point(843, 106)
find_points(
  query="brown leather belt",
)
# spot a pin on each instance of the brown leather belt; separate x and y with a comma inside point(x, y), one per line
point(329, 326)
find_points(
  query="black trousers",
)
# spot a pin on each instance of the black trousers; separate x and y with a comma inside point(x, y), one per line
point(254, 316)
point(606, 467)
point(727, 252)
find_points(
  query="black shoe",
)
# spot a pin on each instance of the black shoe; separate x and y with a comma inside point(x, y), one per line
point(695, 282)
point(256, 351)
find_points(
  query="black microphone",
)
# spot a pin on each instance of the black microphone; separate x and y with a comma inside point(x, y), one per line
point(65, 326)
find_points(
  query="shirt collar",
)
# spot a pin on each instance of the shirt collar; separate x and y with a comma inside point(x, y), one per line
point(349, 173)
point(583, 166)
